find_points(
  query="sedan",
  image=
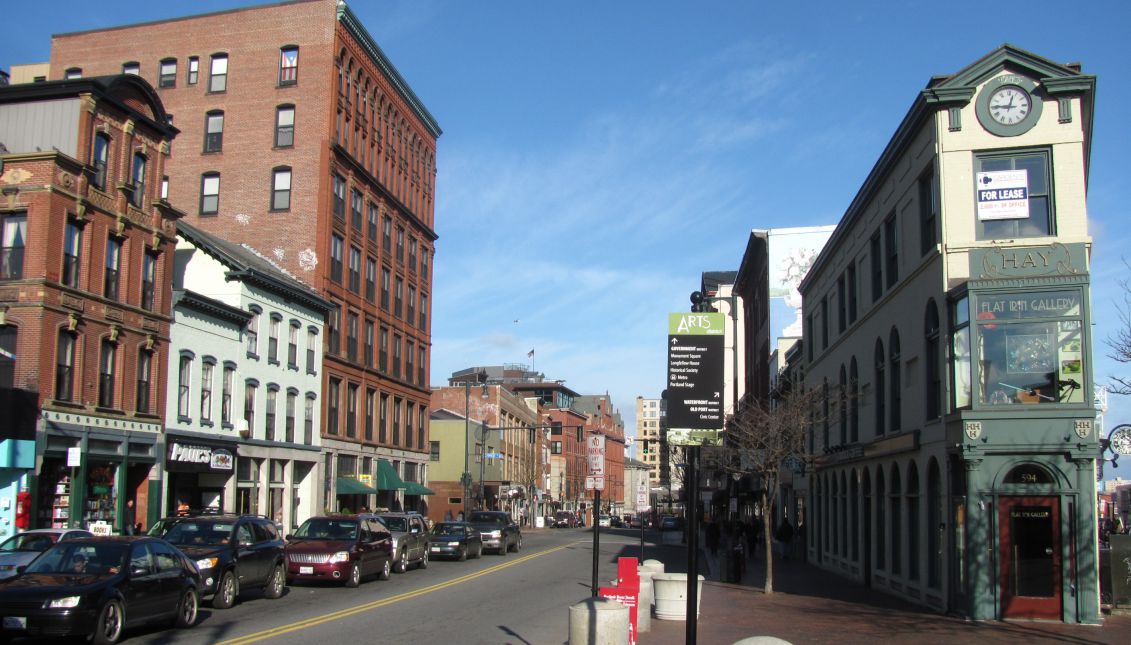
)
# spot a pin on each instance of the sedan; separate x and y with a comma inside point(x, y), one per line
point(497, 530)
point(97, 587)
point(20, 549)
point(458, 540)
point(340, 548)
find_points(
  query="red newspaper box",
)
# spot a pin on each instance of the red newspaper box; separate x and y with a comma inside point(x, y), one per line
point(627, 592)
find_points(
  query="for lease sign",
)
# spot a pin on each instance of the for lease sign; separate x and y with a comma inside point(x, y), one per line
point(1003, 194)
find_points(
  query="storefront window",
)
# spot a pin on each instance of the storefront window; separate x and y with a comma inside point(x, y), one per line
point(960, 351)
point(247, 483)
point(1030, 347)
point(99, 503)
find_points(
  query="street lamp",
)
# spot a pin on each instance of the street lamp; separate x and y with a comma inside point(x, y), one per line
point(1118, 442)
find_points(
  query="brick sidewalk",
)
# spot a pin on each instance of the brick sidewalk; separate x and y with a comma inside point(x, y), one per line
point(810, 605)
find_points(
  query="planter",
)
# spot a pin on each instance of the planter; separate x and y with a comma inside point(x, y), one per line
point(670, 591)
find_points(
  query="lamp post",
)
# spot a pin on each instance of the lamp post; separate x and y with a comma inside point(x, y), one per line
point(465, 478)
point(481, 433)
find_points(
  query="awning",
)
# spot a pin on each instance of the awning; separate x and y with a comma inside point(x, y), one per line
point(347, 486)
point(414, 488)
point(387, 478)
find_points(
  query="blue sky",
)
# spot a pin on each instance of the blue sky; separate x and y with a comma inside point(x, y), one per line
point(598, 156)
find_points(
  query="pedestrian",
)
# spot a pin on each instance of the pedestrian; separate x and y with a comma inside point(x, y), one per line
point(448, 515)
point(712, 536)
point(182, 507)
point(783, 536)
point(129, 518)
point(461, 516)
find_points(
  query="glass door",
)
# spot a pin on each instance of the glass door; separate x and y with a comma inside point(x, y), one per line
point(1029, 532)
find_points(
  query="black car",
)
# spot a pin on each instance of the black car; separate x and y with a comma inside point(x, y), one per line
point(232, 552)
point(497, 530)
point(99, 586)
point(456, 540)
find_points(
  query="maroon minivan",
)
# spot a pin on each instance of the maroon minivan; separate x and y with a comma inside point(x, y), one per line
point(339, 548)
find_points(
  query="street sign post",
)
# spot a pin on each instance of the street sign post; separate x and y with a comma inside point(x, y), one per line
point(595, 450)
point(595, 482)
point(696, 350)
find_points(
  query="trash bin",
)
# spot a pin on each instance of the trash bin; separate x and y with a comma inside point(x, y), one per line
point(671, 595)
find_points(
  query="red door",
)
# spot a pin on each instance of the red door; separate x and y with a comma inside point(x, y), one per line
point(1029, 532)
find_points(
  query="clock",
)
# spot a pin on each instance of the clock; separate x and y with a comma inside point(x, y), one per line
point(1120, 440)
point(1008, 105)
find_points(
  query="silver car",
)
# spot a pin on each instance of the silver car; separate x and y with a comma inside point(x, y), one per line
point(20, 549)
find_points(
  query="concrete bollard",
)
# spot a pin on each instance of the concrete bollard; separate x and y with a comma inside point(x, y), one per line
point(645, 601)
point(598, 621)
point(761, 640)
point(653, 565)
point(671, 595)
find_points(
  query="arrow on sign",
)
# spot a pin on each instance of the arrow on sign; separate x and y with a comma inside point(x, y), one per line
point(716, 395)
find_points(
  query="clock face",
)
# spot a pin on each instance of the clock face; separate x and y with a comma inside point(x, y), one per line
point(1121, 441)
point(1009, 105)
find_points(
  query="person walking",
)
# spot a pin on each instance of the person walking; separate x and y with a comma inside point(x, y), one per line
point(129, 518)
point(783, 536)
point(712, 537)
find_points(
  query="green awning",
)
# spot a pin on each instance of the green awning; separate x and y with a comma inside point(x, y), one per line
point(347, 486)
point(414, 488)
point(387, 478)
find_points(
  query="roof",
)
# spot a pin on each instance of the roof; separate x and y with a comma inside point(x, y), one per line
point(712, 279)
point(252, 267)
point(129, 93)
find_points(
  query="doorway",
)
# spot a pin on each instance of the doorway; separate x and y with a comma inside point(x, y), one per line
point(1030, 561)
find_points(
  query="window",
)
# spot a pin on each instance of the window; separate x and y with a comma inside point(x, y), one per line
point(292, 345)
point(339, 186)
point(281, 189)
point(308, 419)
point(841, 304)
point(253, 334)
point(351, 410)
point(398, 298)
point(877, 267)
point(193, 70)
point(289, 427)
point(370, 279)
point(410, 412)
point(932, 362)
point(891, 250)
point(355, 208)
point(420, 375)
point(167, 73)
point(351, 337)
point(1036, 217)
point(184, 382)
point(273, 339)
point(98, 158)
point(842, 407)
point(284, 126)
point(555, 447)
point(387, 234)
point(411, 255)
point(383, 351)
point(383, 419)
point(895, 378)
point(355, 270)
point(411, 314)
point(434, 450)
point(311, 344)
point(272, 402)
point(423, 262)
point(210, 193)
point(336, 244)
point(206, 369)
point(928, 212)
point(148, 279)
point(13, 240)
point(424, 312)
point(960, 351)
point(214, 131)
point(420, 435)
point(113, 265)
point(218, 78)
point(165, 188)
point(228, 387)
point(400, 244)
point(288, 65)
point(372, 222)
point(879, 388)
point(853, 402)
point(7, 356)
point(397, 355)
point(410, 361)
point(64, 366)
point(368, 352)
point(249, 390)
point(144, 365)
point(370, 412)
point(107, 365)
point(824, 322)
point(333, 401)
point(132, 67)
point(385, 278)
point(72, 73)
point(137, 179)
point(850, 282)
point(396, 421)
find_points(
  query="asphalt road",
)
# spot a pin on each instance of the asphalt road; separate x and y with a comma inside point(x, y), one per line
point(523, 597)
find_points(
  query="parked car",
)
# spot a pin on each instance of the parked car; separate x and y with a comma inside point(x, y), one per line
point(497, 530)
point(340, 548)
point(410, 539)
point(232, 552)
point(604, 520)
point(670, 523)
point(565, 520)
point(20, 549)
point(634, 521)
point(456, 540)
point(97, 587)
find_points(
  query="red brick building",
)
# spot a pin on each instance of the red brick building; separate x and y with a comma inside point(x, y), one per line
point(86, 248)
point(301, 139)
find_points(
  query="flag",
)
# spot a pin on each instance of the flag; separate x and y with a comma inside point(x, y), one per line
point(530, 354)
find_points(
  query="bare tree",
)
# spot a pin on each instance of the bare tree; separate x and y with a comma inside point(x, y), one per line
point(1120, 341)
point(761, 438)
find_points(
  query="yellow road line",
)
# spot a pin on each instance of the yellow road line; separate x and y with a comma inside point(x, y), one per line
point(376, 604)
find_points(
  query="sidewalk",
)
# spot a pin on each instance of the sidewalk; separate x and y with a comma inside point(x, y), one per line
point(810, 605)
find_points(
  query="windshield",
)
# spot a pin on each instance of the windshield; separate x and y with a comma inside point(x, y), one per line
point(395, 523)
point(321, 528)
point(83, 558)
point(448, 528)
point(29, 542)
point(190, 532)
point(487, 518)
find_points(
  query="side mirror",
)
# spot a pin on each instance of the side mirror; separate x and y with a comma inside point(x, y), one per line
point(138, 571)
point(414, 530)
point(288, 537)
point(20, 569)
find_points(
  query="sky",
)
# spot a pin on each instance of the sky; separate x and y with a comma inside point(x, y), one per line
point(597, 157)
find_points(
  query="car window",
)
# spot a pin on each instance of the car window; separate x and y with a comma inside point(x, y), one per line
point(165, 558)
point(70, 535)
point(396, 523)
point(377, 529)
point(140, 562)
point(243, 535)
point(190, 532)
point(28, 542)
point(264, 531)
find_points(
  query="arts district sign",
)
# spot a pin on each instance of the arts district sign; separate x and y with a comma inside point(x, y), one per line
point(695, 378)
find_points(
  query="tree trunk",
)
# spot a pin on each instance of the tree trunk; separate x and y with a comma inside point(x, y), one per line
point(768, 539)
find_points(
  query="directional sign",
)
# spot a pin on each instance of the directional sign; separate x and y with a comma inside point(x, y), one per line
point(696, 351)
point(595, 482)
point(595, 450)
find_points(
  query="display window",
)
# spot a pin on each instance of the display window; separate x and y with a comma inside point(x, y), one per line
point(100, 493)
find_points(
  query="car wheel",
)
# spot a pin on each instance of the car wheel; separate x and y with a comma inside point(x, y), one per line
point(226, 592)
point(479, 551)
point(385, 570)
point(275, 583)
point(109, 626)
point(518, 544)
point(423, 564)
point(186, 611)
point(402, 562)
point(503, 550)
point(354, 578)
point(463, 554)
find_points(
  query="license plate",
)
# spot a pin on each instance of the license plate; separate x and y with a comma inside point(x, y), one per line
point(15, 622)
point(305, 570)
point(435, 549)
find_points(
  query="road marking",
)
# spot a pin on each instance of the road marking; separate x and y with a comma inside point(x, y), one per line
point(377, 604)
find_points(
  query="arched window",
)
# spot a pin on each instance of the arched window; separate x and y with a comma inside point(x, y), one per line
point(932, 364)
point(842, 521)
point(853, 402)
point(825, 411)
point(98, 158)
point(65, 365)
point(913, 522)
point(137, 179)
point(107, 373)
point(896, 522)
point(842, 408)
point(854, 517)
point(144, 370)
point(894, 377)
point(881, 521)
point(935, 526)
point(878, 386)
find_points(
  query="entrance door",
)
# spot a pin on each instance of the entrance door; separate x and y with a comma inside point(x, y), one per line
point(1029, 532)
